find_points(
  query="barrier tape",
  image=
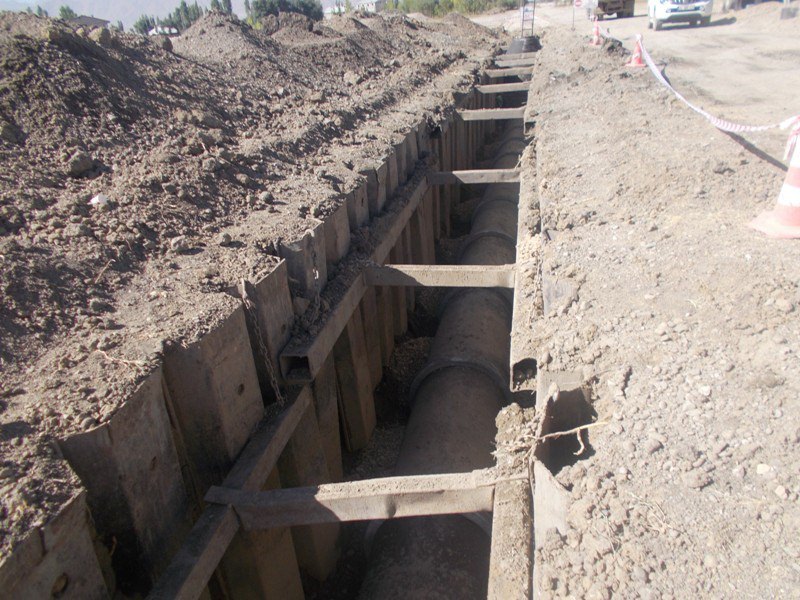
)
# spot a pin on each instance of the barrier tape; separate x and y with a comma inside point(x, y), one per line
point(722, 124)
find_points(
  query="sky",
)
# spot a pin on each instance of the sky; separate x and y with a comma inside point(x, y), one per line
point(126, 11)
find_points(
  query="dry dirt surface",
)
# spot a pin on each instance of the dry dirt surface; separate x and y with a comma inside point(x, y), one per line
point(142, 178)
point(681, 322)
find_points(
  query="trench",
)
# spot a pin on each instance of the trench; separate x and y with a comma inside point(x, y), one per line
point(402, 379)
point(452, 380)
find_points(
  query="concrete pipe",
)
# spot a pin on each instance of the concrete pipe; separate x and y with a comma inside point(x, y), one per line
point(456, 398)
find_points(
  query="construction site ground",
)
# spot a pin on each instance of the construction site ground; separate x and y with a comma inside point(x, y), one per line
point(680, 320)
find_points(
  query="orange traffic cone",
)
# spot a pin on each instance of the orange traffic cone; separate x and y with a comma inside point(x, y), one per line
point(784, 220)
point(596, 39)
point(636, 59)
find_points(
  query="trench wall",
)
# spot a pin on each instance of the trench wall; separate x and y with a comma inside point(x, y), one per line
point(146, 470)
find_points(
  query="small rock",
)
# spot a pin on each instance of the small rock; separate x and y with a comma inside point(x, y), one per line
point(97, 306)
point(763, 469)
point(696, 479)
point(783, 305)
point(211, 165)
point(88, 423)
point(79, 164)
point(653, 445)
point(351, 78)
point(164, 43)
point(101, 35)
point(781, 492)
point(704, 390)
point(207, 119)
point(224, 239)
point(265, 197)
point(100, 202)
point(8, 133)
point(178, 244)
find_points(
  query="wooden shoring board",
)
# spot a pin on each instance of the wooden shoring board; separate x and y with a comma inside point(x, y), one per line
point(492, 114)
point(510, 72)
point(385, 498)
point(516, 55)
point(477, 176)
point(500, 88)
point(194, 563)
point(502, 276)
point(301, 362)
point(514, 62)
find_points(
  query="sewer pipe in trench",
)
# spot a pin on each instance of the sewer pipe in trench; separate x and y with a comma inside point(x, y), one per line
point(456, 398)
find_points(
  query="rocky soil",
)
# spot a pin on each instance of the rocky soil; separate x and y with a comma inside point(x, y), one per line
point(142, 178)
point(682, 323)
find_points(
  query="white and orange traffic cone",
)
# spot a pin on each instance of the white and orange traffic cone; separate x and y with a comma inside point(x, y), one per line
point(784, 220)
point(596, 39)
point(636, 59)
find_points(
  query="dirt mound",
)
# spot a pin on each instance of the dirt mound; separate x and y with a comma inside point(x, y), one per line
point(139, 184)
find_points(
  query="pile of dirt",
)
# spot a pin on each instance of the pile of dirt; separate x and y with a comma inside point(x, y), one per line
point(683, 323)
point(142, 179)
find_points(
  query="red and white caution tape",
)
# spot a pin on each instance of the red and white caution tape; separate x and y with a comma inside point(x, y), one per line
point(793, 122)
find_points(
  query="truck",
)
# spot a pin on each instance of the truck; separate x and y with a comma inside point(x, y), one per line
point(602, 8)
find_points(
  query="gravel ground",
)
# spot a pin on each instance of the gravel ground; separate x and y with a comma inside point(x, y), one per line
point(683, 324)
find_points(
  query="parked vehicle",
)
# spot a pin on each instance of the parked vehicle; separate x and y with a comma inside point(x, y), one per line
point(603, 8)
point(694, 12)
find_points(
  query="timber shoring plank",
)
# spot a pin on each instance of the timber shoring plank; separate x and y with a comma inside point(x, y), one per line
point(516, 55)
point(307, 358)
point(510, 72)
point(486, 276)
point(385, 498)
point(476, 176)
point(514, 62)
point(192, 566)
point(492, 114)
point(500, 88)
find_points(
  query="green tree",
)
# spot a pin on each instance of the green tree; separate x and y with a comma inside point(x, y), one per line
point(65, 12)
point(227, 6)
point(144, 24)
point(261, 8)
point(40, 12)
point(215, 5)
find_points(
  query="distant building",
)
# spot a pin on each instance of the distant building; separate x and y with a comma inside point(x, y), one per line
point(91, 22)
point(161, 30)
point(339, 7)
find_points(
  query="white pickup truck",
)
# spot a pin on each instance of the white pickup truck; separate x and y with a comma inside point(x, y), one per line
point(694, 12)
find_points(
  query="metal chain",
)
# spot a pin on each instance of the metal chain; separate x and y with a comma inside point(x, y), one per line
point(262, 346)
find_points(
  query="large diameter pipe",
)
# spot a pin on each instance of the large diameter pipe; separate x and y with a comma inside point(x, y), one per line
point(456, 398)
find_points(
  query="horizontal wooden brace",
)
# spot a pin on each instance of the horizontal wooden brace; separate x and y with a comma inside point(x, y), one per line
point(512, 72)
point(514, 62)
point(442, 275)
point(516, 55)
point(475, 176)
point(385, 498)
point(301, 361)
point(492, 114)
point(500, 88)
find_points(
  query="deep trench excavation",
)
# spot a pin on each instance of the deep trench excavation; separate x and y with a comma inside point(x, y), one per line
point(451, 429)
point(331, 432)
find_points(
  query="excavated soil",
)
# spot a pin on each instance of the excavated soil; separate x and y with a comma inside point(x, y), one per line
point(142, 179)
point(682, 322)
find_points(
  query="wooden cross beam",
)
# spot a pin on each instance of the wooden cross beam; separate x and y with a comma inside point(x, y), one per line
point(492, 114)
point(474, 176)
point(500, 88)
point(384, 498)
point(442, 276)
